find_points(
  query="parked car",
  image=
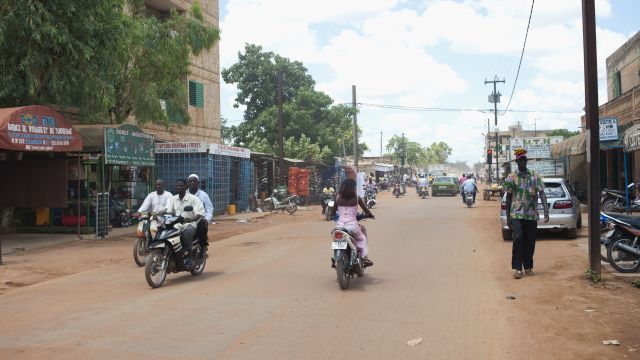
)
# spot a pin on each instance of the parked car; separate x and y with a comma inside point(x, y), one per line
point(564, 210)
point(444, 185)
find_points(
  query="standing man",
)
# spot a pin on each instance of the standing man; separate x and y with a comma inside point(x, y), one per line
point(194, 189)
point(523, 187)
point(176, 206)
point(155, 201)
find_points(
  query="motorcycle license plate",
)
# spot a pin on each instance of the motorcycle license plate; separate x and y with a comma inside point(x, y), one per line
point(338, 245)
point(442, 187)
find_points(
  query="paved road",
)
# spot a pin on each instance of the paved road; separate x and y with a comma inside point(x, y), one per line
point(273, 295)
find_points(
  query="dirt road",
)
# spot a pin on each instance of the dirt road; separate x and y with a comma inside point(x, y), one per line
point(441, 273)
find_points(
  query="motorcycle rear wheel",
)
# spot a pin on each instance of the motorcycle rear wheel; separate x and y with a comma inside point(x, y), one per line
point(611, 205)
point(292, 207)
point(201, 261)
point(620, 260)
point(155, 270)
point(342, 272)
point(267, 205)
point(139, 252)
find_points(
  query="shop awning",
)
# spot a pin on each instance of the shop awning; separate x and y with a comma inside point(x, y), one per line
point(37, 128)
point(577, 145)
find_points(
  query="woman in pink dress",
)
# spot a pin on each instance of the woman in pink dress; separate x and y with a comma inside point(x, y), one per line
point(347, 207)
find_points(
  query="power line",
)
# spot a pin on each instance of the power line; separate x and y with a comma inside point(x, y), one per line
point(435, 109)
point(521, 56)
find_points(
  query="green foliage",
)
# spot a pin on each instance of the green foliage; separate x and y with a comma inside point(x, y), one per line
point(438, 153)
point(593, 276)
point(636, 283)
point(309, 116)
point(562, 132)
point(414, 153)
point(109, 62)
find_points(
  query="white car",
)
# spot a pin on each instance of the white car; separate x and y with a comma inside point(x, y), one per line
point(564, 210)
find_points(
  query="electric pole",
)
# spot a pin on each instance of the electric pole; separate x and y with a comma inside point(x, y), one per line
point(280, 130)
point(593, 130)
point(380, 145)
point(487, 149)
point(355, 126)
point(495, 99)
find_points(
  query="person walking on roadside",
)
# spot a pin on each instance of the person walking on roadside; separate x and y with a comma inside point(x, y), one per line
point(523, 187)
point(194, 189)
point(155, 201)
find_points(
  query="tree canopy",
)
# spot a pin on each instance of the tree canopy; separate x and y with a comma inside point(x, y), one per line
point(110, 59)
point(415, 154)
point(562, 132)
point(314, 128)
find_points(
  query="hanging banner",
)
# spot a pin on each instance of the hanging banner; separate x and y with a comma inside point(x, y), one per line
point(608, 129)
point(128, 145)
point(537, 147)
point(182, 147)
point(220, 149)
point(384, 167)
point(37, 128)
point(631, 138)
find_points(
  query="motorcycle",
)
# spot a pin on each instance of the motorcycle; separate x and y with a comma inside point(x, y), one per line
point(165, 252)
point(119, 215)
point(396, 190)
point(370, 198)
point(468, 198)
point(147, 228)
point(327, 204)
point(616, 200)
point(622, 242)
point(423, 192)
point(346, 257)
point(289, 203)
point(403, 188)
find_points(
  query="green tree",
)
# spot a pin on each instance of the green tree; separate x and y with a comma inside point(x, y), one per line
point(438, 153)
point(110, 59)
point(562, 132)
point(412, 151)
point(306, 112)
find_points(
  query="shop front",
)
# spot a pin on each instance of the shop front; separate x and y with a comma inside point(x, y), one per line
point(39, 151)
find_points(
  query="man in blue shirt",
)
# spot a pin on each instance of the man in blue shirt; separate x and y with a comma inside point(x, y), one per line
point(469, 185)
point(194, 189)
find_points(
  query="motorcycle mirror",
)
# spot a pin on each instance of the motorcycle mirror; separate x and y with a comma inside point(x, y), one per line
point(188, 208)
point(631, 185)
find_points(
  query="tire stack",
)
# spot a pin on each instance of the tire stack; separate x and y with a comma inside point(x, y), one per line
point(292, 188)
point(303, 183)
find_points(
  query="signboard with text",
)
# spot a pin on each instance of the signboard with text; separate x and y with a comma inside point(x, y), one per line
point(608, 129)
point(537, 147)
point(631, 139)
point(182, 147)
point(37, 128)
point(128, 145)
point(220, 149)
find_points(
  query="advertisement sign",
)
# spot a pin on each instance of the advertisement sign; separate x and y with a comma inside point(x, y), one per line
point(608, 129)
point(631, 138)
point(37, 128)
point(537, 147)
point(546, 168)
point(182, 147)
point(220, 149)
point(128, 145)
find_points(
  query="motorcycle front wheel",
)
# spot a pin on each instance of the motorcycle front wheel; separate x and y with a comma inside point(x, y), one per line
point(327, 215)
point(201, 261)
point(267, 205)
point(611, 205)
point(342, 271)
point(139, 251)
point(155, 270)
point(620, 260)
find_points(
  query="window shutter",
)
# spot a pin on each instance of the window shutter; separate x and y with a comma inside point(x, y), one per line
point(196, 94)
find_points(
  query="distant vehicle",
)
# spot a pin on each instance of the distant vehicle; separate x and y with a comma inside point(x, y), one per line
point(437, 169)
point(564, 210)
point(444, 185)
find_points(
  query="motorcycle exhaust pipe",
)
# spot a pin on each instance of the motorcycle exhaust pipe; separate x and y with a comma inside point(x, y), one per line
point(629, 249)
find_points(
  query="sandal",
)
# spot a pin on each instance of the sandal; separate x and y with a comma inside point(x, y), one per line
point(517, 274)
point(366, 262)
point(529, 272)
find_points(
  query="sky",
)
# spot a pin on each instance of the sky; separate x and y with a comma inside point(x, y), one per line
point(434, 54)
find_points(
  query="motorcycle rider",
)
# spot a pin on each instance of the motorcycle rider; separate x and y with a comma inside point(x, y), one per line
point(469, 185)
point(176, 206)
point(327, 193)
point(156, 201)
point(347, 206)
point(194, 189)
point(423, 182)
point(462, 180)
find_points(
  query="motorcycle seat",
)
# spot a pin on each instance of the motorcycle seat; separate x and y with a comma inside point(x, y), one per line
point(631, 220)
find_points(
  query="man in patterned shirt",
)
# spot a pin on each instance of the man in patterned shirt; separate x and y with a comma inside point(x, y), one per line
point(523, 187)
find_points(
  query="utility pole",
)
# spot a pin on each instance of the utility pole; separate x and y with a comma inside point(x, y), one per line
point(355, 126)
point(380, 145)
point(495, 99)
point(281, 176)
point(488, 146)
point(593, 130)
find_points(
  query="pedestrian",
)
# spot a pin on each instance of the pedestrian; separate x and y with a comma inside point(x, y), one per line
point(523, 187)
point(194, 189)
point(155, 201)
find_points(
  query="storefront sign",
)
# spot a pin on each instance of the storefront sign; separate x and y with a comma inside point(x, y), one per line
point(128, 145)
point(546, 168)
point(384, 167)
point(182, 147)
point(608, 129)
point(220, 149)
point(631, 138)
point(37, 128)
point(537, 147)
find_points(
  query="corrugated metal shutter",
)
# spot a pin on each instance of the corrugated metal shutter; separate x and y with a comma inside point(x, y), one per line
point(196, 94)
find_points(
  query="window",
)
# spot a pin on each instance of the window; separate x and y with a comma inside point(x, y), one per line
point(617, 84)
point(554, 190)
point(196, 94)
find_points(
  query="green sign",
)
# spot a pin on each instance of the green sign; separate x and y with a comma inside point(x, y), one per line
point(128, 145)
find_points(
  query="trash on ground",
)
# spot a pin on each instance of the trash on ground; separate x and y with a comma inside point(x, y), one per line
point(242, 221)
point(589, 311)
point(414, 342)
point(511, 297)
point(610, 342)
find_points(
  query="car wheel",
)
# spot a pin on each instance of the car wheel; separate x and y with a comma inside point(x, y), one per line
point(579, 223)
point(572, 233)
point(507, 234)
